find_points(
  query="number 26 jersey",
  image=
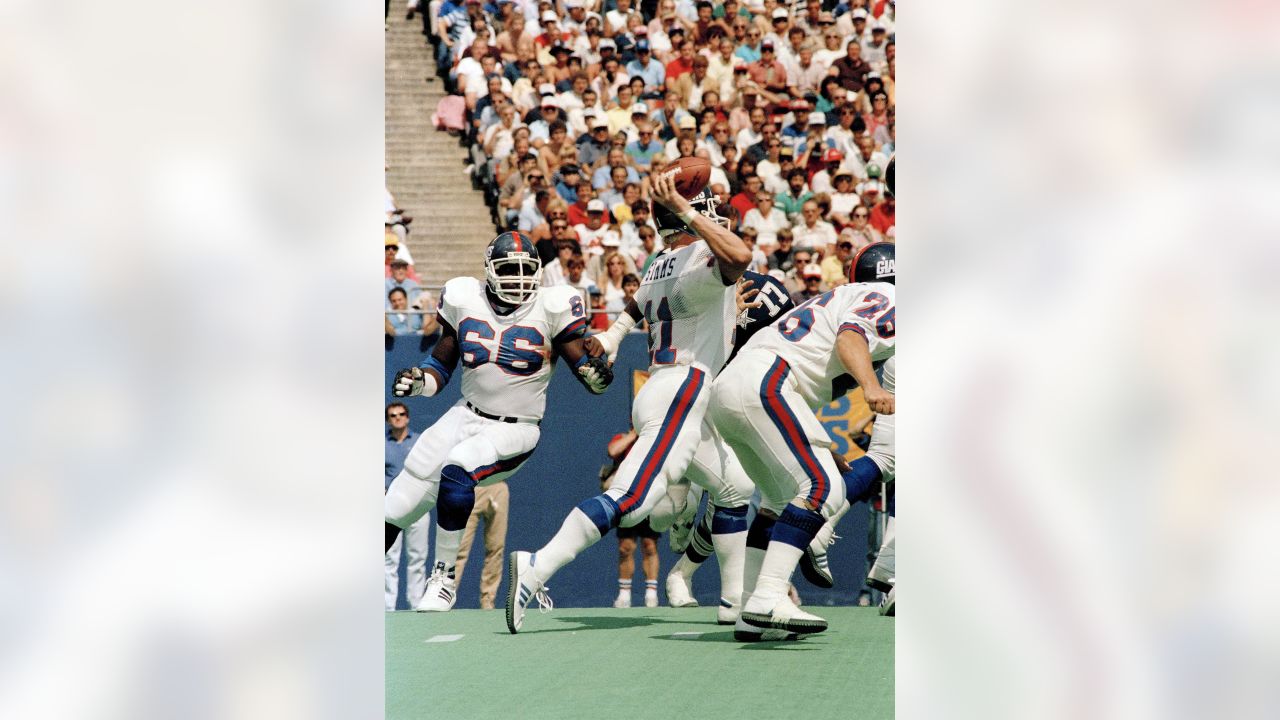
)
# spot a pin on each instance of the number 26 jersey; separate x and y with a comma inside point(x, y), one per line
point(806, 337)
point(507, 360)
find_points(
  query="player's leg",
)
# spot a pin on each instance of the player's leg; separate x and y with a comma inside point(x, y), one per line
point(667, 414)
point(861, 482)
point(413, 492)
point(626, 568)
point(799, 446)
point(392, 574)
point(649, 563)
point(697, 550)
point(497, 499)
point(495, 451)
point(716, 468)
point(464, 548)
point(882, 574)
point(417, 543)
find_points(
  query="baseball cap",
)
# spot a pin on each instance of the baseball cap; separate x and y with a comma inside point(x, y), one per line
point(390, 240)
point(546, 89)
point(779, 14)
point(817, 118)
point(610, 240)
point(549, 102)
point(876, 27)
point(594, 291)
point(609, 44)
point(549, 16)
point(642, 45)
point(687, 123)
point(639, 109)
point(766, 45)
point(872, 186)
point(599, 122)
point(811, 270)
point(596, 205)
point(799, 104)
point(873, 170)
point(859, 13)
point(841, 173)
point(832, 155)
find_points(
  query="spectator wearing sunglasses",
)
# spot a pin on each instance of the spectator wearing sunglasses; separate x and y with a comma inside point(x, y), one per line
point(749, 51)
point(835, 264)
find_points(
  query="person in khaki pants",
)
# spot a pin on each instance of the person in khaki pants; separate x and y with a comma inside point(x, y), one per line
point(493, 503)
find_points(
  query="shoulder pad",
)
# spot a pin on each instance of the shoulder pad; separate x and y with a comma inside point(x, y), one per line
point(460, 289)
point(556, 298)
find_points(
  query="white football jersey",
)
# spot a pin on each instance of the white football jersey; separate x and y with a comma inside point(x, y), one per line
point(806, 337)
point(689, 309)
point(506, 360)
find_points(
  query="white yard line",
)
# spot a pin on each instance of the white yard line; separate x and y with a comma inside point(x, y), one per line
point(443, 638)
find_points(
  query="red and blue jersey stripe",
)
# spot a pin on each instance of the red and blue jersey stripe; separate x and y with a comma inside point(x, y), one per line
point(667, 434)
point(784, 418)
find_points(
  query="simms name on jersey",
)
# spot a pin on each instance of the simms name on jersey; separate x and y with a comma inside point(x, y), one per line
point(806, 337)
point(507, 359)
point(688, 307)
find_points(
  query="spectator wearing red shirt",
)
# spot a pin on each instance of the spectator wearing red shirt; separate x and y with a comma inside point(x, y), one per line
point(578, 210)
point(682, 64)
point(745, 201)
point(882, 215)
point(767, 72)
point(551, 34)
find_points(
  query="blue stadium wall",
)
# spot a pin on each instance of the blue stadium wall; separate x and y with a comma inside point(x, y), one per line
point(564, 470)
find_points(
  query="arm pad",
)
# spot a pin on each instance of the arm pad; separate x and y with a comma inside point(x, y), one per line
point(610, 339)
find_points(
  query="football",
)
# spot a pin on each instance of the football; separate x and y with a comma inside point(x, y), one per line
point(691, 175)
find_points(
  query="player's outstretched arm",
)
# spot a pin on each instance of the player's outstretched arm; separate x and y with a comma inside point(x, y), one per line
point(607, 342)
point(592, 371)
point(728, 248)
point(856, 356)
point(435, 372)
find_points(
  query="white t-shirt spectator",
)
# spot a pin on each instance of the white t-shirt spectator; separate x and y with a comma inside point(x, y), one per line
point(766, 227)
point(844, 203)
point(814, 238)
point(592, 241)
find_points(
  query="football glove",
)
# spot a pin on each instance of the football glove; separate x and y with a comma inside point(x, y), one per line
point(409, 382)
point(596, 374)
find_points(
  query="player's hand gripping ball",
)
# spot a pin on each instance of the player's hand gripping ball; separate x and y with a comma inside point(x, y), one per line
point(596, 374)
point(690, 174)
point(408, 382)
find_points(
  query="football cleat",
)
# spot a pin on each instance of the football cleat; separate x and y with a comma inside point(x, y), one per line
point(727, 613)
point(887, 603)
point(882, 572)
point(786, 616)
point(441, 592)
point(679, 590)
point(742, 632)
point(523, 586)
point(813, 564)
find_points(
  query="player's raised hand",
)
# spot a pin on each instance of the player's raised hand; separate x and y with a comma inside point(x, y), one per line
point(408, 382)
point(743, 292)
point(879, 400)
point(664, 191)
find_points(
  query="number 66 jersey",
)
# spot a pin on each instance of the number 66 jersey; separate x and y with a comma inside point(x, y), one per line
point(507, 359)
point(806, 337)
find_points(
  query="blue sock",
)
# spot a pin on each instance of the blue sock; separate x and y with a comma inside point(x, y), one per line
point(603, 511)
point(457, 498)
point(860, 482)
point(729, 520)
point(797, 526)
point(760, 532)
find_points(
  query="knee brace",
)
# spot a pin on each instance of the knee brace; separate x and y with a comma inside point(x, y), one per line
point(797, 526)
point(860, 481)
point(603, 511)
point(729, 520)
point(457, 498)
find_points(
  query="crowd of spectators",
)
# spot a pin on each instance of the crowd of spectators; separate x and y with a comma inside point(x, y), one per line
point(572, 105)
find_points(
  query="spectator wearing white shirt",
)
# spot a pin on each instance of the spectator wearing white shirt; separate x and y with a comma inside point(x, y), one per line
point(812, 232)
point(765, 219)
point(592, 233)
point(843, 199)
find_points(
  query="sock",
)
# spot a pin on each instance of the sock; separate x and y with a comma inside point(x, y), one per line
point(453, 508)
point(753, 557)
point(729, 536)
point(889, 534)
point(392, 532)
point(650, 586)
point(577, 533)
point(700, 546)
point(861, 480)
point(624, 587)
point(792, 533)
point(686, 567)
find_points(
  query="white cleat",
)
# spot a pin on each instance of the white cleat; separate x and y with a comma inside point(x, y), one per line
point(523, 586)
point(623, 600)
point(441, 592)
point(786, 616)
point(651, 598)
point(727, 613)
point(742, 632)
point(679, 590)
point(813, 564)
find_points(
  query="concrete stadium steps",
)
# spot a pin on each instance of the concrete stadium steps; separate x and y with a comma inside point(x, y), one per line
point(451, 224)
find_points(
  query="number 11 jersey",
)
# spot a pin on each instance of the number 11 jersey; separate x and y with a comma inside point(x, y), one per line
point(689, 308)
point(507, 359)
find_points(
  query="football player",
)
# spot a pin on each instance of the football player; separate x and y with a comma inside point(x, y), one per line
point(687, 297)
point(761, 300)
point(507, 332)
point(765, 409)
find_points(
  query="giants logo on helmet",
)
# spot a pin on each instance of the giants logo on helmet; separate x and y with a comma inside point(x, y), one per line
point(884, 268)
